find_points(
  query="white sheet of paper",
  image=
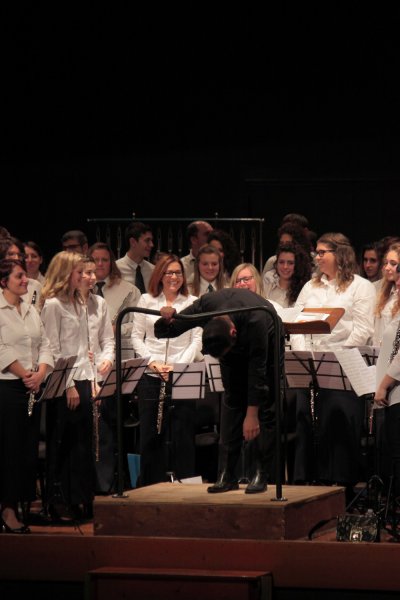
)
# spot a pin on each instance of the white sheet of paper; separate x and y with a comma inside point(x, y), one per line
point(362, 377)
point(191, 480)
point(305, 317)
point(188, 381)
point(214, 373)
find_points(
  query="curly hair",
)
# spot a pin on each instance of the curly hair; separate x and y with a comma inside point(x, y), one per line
point(302, 268)
point(346, 261)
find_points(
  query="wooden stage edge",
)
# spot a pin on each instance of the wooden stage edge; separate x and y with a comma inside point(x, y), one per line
point(293, 563)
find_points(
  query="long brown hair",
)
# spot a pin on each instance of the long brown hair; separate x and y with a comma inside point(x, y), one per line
point(387, 287)
point(155, 283)
point(346, 260)
point(208, 249)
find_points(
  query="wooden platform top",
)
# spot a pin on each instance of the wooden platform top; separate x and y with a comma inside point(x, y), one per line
point(197, 494)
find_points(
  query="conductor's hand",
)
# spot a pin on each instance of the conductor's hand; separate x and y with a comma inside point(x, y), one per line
point(251, 427)
point(167, 313)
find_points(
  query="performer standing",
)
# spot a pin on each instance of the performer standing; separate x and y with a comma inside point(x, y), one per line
point(167, 287)
point(25, 359)
point(387, 394)
point(244, 344)
point(69, 443)
point(101, 345)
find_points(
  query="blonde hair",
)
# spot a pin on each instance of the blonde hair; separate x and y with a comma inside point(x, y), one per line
point(346, 260)
point(57, 278)
point(254, 271)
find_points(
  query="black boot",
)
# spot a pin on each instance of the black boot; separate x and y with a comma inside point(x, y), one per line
point(225, 483)
point(258, 484)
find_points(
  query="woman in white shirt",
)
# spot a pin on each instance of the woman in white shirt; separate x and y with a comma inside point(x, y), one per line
point(336, 454)
point(387, 395)
point(167, 287)
point(387, 301)
point(292, 269)
point(69, 442)
point(25, 359)
point(102, 345)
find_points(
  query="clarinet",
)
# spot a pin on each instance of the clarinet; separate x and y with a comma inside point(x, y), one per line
point(31, 399)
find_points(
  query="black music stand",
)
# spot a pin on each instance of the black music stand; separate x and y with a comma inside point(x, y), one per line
point(312, 371)
point(57, 381)
point(186, 382)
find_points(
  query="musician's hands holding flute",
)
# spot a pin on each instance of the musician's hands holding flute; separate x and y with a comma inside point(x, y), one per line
point(161, 368)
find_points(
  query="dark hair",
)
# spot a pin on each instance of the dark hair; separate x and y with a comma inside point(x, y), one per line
point(375, 247)
point(297, 233)
point(231, 251)
point(302, 268)
point(155, 283)
point(5, 244)
point(7, 266)
point(135, 230)
point(295, 218)
point(115, 273)
point(217, 339)
point(75, 234)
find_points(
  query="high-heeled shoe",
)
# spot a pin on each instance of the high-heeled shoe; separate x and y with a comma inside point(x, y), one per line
point(7, 529)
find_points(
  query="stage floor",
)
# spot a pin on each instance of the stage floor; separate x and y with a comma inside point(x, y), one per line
point(187, 510)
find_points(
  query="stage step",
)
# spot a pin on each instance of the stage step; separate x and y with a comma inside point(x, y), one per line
point(197, 584)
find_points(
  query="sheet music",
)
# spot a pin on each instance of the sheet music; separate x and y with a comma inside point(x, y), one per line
point(362, 377)
point(304, 367)
point(214, 373)
point(131, 372)
point(188, 381)
point(57, 380)
point(305, 317)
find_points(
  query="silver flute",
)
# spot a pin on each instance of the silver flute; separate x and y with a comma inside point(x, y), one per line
point(162, 395)
point(95, 408)
point(32, 399)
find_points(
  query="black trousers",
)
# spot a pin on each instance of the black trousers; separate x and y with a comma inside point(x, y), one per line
point(69, 449)
point(19, 441)
point(329, 450)
point(392, 430)
point(174, 448)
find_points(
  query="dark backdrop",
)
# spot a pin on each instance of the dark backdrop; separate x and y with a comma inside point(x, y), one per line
point(190, 111)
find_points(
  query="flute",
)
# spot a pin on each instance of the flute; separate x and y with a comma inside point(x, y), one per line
point(162, 394)
point(32, 399)
point(95, 408)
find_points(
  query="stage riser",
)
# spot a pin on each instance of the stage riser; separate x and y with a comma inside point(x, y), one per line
point(166, 510)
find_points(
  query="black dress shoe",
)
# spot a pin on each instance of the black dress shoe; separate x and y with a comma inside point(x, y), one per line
point(258, 484)
point(224, 483)
point(6, 529)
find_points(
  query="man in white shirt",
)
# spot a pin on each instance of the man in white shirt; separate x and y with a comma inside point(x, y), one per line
point(197, 235)
point(135, 266)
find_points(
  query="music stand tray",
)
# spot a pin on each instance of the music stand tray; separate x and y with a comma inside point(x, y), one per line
point(310, 321)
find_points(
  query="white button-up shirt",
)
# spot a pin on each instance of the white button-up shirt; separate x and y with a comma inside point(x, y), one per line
point(22, 338)
point(185, 348)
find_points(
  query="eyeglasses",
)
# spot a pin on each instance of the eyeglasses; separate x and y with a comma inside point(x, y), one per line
point(321, 253)
point(244, 279)
point(172, 273)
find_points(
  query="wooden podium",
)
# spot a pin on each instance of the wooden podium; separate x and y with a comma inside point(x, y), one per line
point(314, 325)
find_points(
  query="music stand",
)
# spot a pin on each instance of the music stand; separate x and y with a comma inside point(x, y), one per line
point(57, 381)
point(186, 382)
point(132, 371)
